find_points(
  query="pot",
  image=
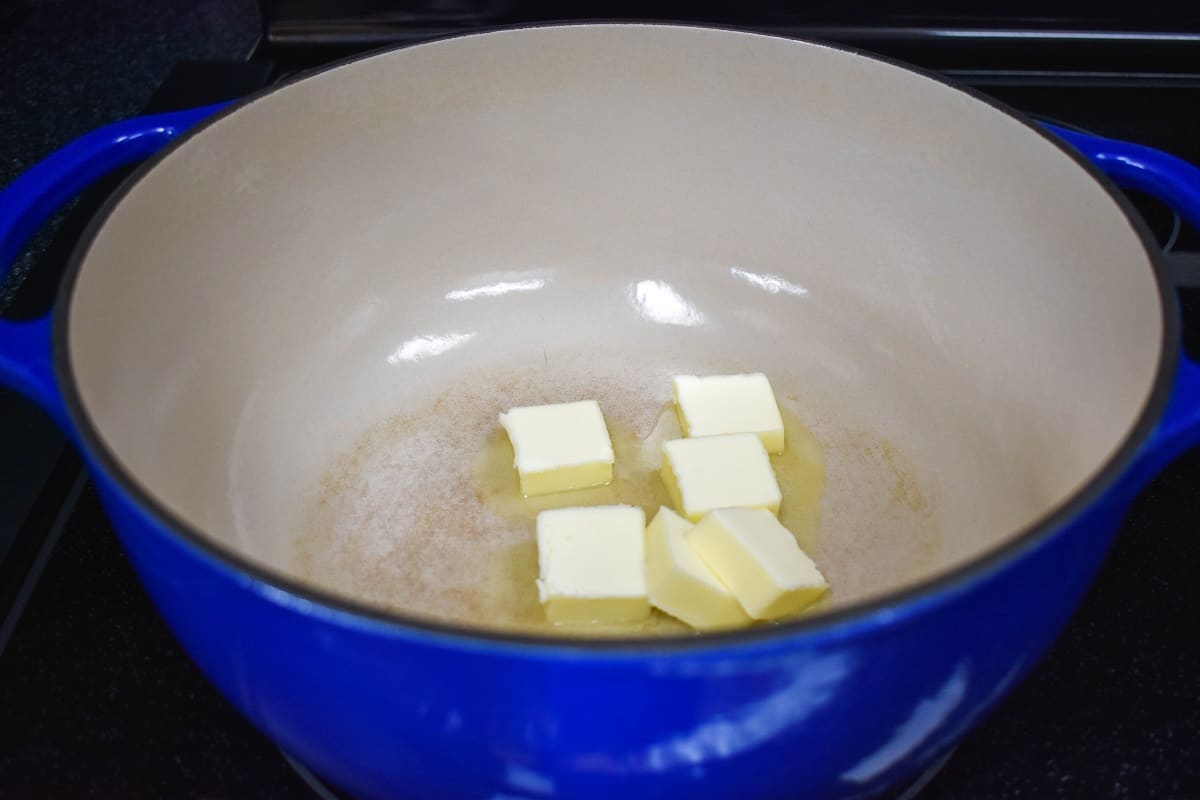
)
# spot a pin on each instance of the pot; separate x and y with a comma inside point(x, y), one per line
point(281, 348)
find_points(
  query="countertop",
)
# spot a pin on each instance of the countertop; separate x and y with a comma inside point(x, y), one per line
point(67, 66)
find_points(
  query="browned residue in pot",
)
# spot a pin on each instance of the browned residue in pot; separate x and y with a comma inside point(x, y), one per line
point(423, 515)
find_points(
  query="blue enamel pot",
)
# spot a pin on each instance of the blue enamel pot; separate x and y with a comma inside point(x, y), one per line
point(281, 348)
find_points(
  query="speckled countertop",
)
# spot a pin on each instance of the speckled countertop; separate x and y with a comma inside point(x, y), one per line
point(68, 66)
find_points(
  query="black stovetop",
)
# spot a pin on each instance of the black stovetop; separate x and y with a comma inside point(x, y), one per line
point(97, 699)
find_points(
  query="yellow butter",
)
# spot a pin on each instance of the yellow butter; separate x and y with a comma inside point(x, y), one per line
point(717, 404)
point(559, 447)
point(731, 471)
point(592, 564)
point(759, 560)
point(681, 584)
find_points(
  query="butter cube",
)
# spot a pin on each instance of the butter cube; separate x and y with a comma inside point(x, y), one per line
point(759, 560)
point(592, 564)
point(679, 581)
point(559, 447)
point(731, 471)
point(729, 404)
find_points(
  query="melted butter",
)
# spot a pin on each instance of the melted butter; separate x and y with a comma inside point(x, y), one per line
point(800, 471)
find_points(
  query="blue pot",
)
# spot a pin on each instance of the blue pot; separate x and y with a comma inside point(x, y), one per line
point(835, 706)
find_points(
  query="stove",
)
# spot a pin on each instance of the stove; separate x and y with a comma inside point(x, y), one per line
point(97, 699)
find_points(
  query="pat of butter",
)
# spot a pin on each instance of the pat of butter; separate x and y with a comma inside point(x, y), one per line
point(719, 404)
point(559, 447)
point(681, 584)
point(592, 564)
point(731, 471)
point(759, 560)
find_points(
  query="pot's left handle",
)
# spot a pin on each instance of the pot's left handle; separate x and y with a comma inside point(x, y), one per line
point(26, 363)
point(1177, 183)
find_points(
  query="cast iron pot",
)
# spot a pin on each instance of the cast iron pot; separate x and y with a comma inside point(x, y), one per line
point(590, 206)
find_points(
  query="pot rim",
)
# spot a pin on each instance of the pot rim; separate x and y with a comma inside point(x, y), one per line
point(884, 609)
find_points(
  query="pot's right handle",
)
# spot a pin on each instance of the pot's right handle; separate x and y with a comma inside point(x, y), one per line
point(25, 356)
point(1176, 183)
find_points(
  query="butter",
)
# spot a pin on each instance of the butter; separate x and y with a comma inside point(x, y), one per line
point(731, 471)
point(681, 584)
point(759, 560)
point(559, 447)
point(719, 404)
point(592, 564)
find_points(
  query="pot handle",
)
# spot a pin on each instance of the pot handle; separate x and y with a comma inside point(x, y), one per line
point(1176, 183)
point(26, 362)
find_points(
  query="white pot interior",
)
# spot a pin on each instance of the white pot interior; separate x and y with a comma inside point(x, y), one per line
point(297, 330)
